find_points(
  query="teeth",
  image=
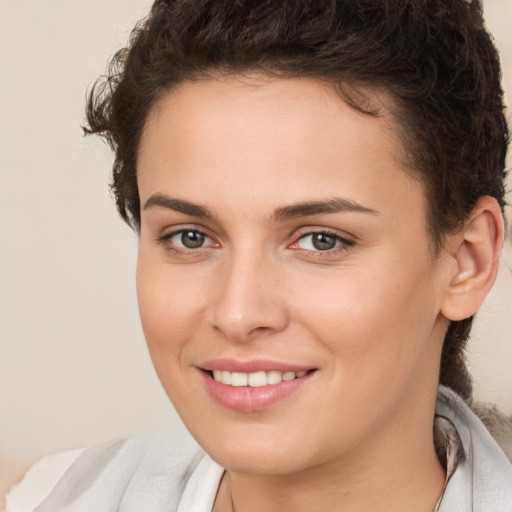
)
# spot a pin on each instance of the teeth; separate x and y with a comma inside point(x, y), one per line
point(239, 379)
point(226, 378)
point(274, 377)
point(255, 380)
point(258, 379)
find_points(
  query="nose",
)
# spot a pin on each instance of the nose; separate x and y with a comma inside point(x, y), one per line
point(249, 299)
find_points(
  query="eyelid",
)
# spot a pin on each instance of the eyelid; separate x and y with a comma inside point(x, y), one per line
point(165, 239)
point(346, 239)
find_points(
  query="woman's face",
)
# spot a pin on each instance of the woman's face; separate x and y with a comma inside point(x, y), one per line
point(284, 249)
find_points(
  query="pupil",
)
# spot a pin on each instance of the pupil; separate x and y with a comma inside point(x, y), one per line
point(192, 239)
point(323, 242)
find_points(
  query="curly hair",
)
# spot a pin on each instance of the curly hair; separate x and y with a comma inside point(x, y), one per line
point(434, 58)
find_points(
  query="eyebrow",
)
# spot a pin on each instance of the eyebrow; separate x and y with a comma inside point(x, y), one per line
point(305, 209)
point(334, 205)
point(178, 205)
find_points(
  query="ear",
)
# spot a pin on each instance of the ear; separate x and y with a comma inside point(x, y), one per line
point(476, 250)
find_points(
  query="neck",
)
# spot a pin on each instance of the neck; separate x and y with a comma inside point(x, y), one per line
point(378, 490)
point(372, 477)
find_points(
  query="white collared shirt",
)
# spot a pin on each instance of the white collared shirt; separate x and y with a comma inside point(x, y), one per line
point(151, 475)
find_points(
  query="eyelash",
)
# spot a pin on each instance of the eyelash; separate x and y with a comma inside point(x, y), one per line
point(344, 242)
point(165, 241)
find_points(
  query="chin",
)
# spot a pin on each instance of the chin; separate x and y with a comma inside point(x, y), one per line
point(256, 449)
point(257, 462)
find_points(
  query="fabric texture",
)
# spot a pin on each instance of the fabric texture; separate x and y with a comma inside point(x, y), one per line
point(482, 477)
point(153, 475)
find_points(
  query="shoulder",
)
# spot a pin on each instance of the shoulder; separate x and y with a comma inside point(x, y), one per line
point(39, 480)
point(498, 424)
point(131, 474)
point(482, 479)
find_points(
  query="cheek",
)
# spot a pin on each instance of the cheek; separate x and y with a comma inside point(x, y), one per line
point(169, 305)
point(377, 330)
point(171, 312)
point(385, 312)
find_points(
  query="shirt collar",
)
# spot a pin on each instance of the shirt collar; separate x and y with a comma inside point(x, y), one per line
point(479, 475)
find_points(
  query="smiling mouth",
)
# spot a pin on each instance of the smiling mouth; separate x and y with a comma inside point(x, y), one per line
point(255, 379)
point(254, 390)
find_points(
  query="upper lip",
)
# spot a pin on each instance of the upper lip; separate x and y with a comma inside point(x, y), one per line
point(252, 365)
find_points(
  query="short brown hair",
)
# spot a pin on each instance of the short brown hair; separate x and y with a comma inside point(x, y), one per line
point(433, 57)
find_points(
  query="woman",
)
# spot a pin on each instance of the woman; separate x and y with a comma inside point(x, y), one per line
point(317, 188)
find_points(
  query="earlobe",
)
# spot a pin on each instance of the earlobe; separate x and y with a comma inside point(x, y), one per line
point(476, 250)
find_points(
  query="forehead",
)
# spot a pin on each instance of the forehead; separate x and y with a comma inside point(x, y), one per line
point(296, 135)
point(259, 96)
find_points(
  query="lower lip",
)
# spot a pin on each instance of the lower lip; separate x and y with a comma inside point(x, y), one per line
point(248, 399)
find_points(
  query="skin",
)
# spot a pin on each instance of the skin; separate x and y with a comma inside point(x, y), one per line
point(367, 314)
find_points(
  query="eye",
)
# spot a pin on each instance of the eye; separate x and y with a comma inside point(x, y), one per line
point(317, 242)
point(320, 241)
point(187, 239)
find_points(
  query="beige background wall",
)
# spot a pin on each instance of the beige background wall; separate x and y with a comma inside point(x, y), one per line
point(73, 364)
